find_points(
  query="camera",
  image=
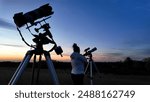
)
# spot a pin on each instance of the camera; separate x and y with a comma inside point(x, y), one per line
point(88, 51)
point(21, 19)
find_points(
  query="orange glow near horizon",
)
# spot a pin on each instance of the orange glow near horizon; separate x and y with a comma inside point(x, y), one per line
point(65, 58)
point(16, 54)
point(8, 53)
point(20, 58)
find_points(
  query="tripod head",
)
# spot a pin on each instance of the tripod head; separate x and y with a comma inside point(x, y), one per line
point(40, 38)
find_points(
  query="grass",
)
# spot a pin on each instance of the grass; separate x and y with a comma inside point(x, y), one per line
point(65, 78)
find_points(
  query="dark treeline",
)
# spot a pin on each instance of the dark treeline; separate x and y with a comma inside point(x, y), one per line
point(123, 68)
point(42, 64)
point(128, 66)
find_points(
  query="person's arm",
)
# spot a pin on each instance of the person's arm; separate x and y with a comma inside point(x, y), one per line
point(72, 56)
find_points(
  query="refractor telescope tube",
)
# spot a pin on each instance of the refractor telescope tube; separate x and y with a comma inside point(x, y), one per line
point(88, 51)
point(92, 50)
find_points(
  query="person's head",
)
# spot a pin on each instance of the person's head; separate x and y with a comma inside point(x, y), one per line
point(76, 48)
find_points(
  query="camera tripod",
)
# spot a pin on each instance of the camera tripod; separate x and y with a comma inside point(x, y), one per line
point(23, 65)
point(91, 66)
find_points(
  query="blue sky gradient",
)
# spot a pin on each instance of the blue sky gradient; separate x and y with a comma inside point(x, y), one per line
point(118, 28)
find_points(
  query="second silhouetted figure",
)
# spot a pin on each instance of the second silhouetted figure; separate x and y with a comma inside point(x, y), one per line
point(77, 62)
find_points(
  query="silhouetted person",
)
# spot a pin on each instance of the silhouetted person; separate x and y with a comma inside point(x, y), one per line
point(77, 62)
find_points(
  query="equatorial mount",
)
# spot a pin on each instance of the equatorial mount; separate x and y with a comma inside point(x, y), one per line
point(30, 19)
point(41, 38)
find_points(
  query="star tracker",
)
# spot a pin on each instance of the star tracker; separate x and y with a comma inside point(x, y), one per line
point(30, 19)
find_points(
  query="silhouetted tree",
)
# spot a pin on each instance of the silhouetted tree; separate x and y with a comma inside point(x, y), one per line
point(128, 60)
point(128, 63)
point(146, 59)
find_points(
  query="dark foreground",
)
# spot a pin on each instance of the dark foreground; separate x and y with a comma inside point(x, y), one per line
point(65, 79)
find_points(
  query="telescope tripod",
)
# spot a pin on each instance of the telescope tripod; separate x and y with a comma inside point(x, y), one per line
point(26, 60)
point(91, 66)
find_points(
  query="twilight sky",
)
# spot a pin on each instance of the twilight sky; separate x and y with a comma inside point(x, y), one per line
point(118, 28)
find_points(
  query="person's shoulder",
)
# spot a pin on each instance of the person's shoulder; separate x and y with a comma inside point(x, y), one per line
point(73, 54)
point(76, 54)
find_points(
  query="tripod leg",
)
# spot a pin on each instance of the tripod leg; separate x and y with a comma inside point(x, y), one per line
point(97, 70)
point(38, 70)
point(33, 69)
point(17, 70)
point(91, 73)
point(51, 68)
point(86, 68)
point(95, 67)
point(21, 68)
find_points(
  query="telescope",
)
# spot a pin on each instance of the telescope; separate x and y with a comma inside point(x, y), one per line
point(88, 51)
point(21, 19)
point(40, 38)
point(91, 66)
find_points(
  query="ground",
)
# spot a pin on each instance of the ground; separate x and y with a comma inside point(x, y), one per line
point(65, 79)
